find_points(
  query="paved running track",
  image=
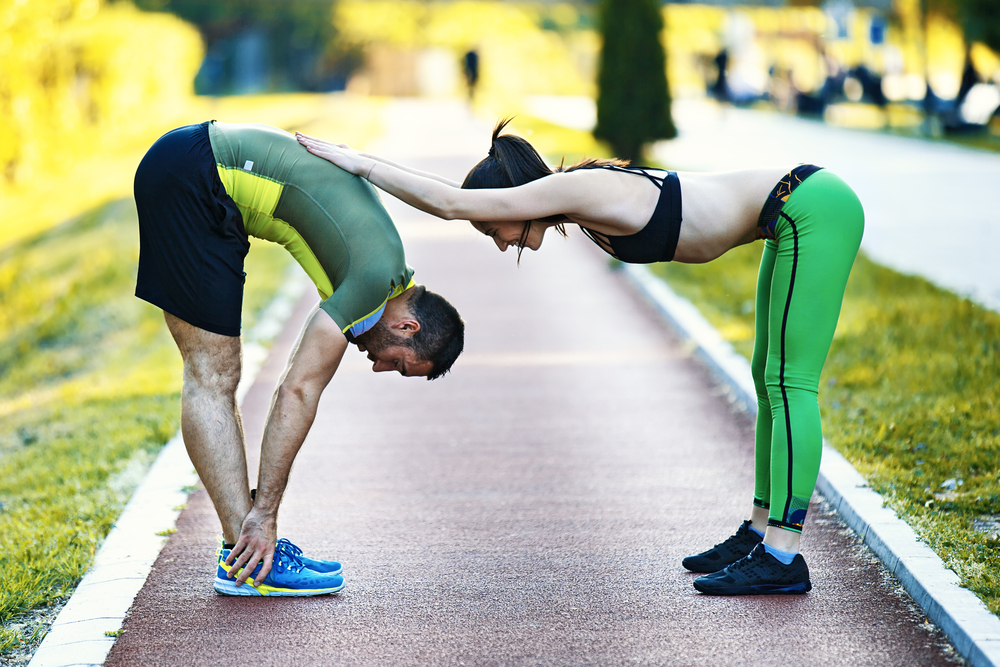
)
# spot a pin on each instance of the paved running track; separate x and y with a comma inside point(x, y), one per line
point(532, 507)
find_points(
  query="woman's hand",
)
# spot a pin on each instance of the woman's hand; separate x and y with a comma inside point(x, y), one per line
point(341, 155)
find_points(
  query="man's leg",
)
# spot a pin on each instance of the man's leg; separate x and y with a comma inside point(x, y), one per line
point(210, 419)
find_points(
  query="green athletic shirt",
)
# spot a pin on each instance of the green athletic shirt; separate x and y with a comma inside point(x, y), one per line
point(332, 222)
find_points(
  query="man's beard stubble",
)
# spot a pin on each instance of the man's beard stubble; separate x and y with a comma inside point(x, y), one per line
point(377, 339)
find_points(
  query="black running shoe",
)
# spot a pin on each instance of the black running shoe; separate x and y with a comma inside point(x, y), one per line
point(726, 553)
point(759, 573)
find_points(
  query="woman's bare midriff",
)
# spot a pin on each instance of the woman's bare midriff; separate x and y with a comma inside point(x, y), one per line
point(720, 210)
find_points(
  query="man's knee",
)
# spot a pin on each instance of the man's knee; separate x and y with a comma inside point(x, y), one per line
point(212, 362)
point(219, 374)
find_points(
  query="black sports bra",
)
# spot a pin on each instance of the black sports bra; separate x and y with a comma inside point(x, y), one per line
point(657, 241)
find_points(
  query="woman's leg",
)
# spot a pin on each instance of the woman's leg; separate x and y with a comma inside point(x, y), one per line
point(750, 533)
point(758, 364)
point(819, 233)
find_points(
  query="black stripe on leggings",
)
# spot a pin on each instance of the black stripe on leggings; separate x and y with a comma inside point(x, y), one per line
point(781, 377)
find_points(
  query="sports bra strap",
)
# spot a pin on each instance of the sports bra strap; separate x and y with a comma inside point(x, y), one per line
point(655, 180)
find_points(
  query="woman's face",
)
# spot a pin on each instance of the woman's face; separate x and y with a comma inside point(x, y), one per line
point(508, 234)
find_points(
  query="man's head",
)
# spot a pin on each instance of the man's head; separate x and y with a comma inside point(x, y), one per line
point(419, 334)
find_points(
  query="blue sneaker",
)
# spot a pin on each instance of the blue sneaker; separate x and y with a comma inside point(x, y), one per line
point(321, 566)
point(289, 576)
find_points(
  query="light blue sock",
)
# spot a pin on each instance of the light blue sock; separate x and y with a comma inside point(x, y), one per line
point(756, 532)
point(784, 557)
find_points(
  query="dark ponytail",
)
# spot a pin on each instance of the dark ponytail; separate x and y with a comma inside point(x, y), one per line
point(511, 161)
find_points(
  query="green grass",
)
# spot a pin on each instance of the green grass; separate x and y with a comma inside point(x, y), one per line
point(910, 393)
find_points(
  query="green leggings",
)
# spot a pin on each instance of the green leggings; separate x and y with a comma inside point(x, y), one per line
point(800, 289)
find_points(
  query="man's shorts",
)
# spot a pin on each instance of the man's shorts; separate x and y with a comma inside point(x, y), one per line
point(191, 237)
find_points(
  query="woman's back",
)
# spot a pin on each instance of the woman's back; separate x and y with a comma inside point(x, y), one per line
point(719, 210)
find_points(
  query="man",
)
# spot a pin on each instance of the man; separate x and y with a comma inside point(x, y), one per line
point(200, 191)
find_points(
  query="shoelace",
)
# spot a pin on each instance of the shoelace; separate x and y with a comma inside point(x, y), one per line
point(285, 545)
point(742, 563)
point(288, 557)
point(732, 538)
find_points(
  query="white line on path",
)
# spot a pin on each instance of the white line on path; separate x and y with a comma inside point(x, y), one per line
point(104, 596)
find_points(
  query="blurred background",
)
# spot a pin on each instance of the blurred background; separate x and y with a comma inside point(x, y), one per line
point(78, 75)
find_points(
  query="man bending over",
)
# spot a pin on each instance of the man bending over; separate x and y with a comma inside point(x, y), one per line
point(201, 190)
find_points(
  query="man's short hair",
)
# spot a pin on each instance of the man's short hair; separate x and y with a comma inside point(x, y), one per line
point(442, 332)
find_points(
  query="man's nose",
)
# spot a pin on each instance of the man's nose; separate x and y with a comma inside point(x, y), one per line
point(381, 366)
point(500, 243)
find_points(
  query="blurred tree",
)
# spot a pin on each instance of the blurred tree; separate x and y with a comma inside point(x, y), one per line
point(633, 104)
point(296, 38)
point(981, 21)
point(77, 77)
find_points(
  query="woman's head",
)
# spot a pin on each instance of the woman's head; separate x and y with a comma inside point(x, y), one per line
point(511, 161)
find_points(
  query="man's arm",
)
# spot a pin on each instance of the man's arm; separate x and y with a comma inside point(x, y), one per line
point(312, 365)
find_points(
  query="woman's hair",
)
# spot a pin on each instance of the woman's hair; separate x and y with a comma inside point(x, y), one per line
point(512, 161)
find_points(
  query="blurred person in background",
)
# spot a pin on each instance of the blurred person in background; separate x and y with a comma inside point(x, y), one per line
point(470, 68)
point(720, 88)
point(811, 223)
point(201, 191)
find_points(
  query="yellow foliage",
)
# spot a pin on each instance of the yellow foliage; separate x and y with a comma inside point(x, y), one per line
point(76, 76)
point(517, 56)
point(736, 331)
point(859, 376)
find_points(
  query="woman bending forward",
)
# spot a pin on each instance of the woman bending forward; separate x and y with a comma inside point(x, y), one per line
point(811, 223)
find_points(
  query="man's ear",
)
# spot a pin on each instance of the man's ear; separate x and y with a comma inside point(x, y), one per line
point(406, 326)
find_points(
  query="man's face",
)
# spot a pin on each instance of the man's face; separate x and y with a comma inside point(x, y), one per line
point(388, 352)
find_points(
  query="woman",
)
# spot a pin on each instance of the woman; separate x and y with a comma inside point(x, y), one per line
point(812, 224)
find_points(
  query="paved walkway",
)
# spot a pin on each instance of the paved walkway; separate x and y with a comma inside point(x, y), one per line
point(532, 507)
point(932, 208)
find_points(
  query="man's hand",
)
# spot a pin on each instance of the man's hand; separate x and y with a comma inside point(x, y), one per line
point(341, 155)
point(313, 363)
point(255, 544)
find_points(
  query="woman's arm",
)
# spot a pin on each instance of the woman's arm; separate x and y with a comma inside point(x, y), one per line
point(415, 172)
point(308, 141)
point(565, 194)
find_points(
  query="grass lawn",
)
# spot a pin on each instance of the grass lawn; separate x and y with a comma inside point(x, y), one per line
point(89, 376)
point(910, 393)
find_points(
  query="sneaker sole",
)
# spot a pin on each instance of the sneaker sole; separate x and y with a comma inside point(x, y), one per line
point(761, 589)
point(228, 587)
point(704, 569)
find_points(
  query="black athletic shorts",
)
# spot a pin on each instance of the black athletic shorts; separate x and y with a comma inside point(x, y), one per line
point(191, 237)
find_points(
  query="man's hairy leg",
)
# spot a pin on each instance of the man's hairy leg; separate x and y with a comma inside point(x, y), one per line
point(210, 419)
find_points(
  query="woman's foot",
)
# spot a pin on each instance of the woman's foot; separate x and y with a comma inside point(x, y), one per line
point(759, 573)
point(724, 553)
